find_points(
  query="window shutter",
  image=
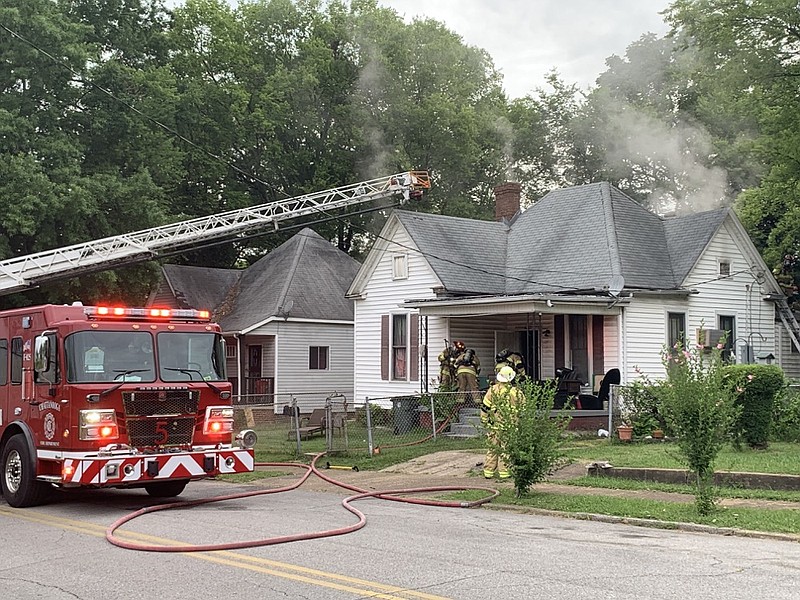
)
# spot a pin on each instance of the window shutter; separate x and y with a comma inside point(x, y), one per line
point(413, 343)
point(384, 347)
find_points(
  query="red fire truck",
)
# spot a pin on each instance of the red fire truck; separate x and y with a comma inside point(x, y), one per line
point(95, 396)
point(132, 397)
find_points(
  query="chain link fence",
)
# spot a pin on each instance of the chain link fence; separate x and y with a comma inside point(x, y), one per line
point(339, 425)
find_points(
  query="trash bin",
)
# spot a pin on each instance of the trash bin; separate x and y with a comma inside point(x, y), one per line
point(406, 416)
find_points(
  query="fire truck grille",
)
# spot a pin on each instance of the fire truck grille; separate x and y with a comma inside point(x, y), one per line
point(148, 403)
point(160, 432)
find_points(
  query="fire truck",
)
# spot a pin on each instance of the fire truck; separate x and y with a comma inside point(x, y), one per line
point(114, 396)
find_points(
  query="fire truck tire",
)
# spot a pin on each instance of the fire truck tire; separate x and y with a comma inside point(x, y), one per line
point(18, 480)
point(166, 489)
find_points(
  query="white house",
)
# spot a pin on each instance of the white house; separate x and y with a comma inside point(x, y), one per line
point(585, 278)
point(287, 324)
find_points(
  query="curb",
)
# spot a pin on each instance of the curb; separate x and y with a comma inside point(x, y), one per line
point(651, 523)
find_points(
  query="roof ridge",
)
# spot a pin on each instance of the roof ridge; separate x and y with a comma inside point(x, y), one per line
point(611, 229)
point(292, 271)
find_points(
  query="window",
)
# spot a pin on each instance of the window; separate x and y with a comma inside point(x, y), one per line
point(318, 358)
point(727, 323)
point(16, 360)
point(676, 330)
point(724, 268)
point(3, 362)
point(399, 347)
point(400, 266)
point(230, 350)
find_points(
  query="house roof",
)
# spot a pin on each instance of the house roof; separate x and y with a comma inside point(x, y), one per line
point(199, 287)
point(467, 255)
point(574, 240)
point(304, 278)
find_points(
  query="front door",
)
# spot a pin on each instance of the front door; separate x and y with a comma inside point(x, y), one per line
point(253, 367)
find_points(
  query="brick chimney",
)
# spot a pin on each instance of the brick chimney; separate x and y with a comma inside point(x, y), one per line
point(506, 201)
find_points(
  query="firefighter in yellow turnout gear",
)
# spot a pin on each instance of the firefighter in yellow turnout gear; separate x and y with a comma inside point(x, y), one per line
point(502, 391)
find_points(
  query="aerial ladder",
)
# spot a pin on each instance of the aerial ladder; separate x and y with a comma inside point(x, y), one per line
point(23, 272)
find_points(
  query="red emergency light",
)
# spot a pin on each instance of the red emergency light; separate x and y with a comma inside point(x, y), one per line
point(120, 312)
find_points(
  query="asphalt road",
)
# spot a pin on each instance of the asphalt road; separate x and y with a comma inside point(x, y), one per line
point(59, 552)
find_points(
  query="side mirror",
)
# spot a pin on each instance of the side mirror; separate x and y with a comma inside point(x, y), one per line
point(42, 362)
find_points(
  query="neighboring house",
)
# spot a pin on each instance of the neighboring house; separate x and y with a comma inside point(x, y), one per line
point(585, 278)
point(287, 324)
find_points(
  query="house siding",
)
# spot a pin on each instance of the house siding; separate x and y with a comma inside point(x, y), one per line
point(737, 295)
point(311, 386)
point(384, 295)
point(786, 357)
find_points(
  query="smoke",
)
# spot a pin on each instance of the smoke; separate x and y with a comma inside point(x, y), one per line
point(671, 157)
point(505, 133)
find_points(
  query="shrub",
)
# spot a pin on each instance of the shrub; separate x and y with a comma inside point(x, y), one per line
point(785, 425)
point(754, 388)
point(699, 409)
point(641, 408)
point(528, 438)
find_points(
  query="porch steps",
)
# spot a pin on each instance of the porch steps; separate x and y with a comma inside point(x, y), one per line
point(468, 424)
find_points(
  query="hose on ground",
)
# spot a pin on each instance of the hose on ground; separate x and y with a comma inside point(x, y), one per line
point(397, 495)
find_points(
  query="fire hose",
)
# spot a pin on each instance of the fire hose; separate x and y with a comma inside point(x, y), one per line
point(397, 495)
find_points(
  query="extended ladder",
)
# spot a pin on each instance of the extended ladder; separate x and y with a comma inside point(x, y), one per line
point(789, 322)
point(25, 271)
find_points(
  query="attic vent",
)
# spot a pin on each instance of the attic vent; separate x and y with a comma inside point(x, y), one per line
point(725, 268)
point(709, 338)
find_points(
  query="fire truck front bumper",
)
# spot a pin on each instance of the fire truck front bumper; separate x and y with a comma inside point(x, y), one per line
point(127, 470)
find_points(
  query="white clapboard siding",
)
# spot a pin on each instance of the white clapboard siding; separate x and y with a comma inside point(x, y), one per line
point(383, 295)
point(739, 295)
point(786, 355)
point(312, 386)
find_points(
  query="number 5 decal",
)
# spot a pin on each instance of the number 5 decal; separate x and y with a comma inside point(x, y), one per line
point(161, 429)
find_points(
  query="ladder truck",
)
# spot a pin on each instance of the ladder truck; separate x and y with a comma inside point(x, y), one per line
point(129, 397)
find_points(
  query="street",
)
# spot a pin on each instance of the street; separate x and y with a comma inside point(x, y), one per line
point(59, 551)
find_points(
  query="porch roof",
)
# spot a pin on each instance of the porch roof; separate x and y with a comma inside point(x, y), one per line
point(522, 303)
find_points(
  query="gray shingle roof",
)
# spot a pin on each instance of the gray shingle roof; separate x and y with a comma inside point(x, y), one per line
point(466, 254)
point(200, 287)
point(305, 277)
point(573, 239)
point(688, 235)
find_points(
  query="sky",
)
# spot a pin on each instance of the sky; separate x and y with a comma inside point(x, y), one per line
point(528, 38)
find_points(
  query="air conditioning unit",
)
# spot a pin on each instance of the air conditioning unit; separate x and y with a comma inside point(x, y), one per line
point(709, 338)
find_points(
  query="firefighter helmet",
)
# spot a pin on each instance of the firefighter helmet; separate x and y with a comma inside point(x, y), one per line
point(505, 374)
point(459, 345)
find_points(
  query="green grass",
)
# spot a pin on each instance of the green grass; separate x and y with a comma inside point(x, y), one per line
point(778, 458)
point(751, 519)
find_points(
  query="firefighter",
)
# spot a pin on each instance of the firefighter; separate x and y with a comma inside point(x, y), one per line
point(467, 368)
point(513, 359)
point(502, 390)
point(447, 368)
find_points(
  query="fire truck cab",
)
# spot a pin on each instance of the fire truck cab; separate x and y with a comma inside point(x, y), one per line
point(113, 397)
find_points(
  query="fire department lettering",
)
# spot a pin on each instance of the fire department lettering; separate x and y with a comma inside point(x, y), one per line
point(49, 405)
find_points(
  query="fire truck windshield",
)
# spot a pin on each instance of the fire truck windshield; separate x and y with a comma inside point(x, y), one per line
point(191, 356)
point(127, 356)
point(109, 356)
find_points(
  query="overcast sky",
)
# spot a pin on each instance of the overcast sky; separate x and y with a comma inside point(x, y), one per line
point(528, 38)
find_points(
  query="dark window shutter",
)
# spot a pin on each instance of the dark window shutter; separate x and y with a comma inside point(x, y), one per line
point(558, 340)
point(384, 347)
point(413, 343)
point(597, 344)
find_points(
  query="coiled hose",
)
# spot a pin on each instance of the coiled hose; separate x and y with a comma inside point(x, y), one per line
point(392, 495)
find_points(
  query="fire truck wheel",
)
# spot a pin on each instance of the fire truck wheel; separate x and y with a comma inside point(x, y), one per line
point(20, 488)
point(166, 489)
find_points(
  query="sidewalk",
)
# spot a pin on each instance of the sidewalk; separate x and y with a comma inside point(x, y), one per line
point(463, 467)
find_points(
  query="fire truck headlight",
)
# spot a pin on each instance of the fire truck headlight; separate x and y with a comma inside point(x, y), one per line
point(219, 420)
point(99, 424)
